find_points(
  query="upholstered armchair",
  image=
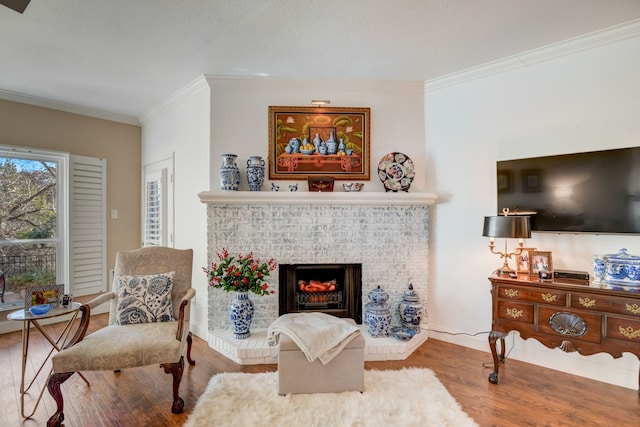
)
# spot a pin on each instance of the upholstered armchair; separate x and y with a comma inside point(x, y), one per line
point(148, 322)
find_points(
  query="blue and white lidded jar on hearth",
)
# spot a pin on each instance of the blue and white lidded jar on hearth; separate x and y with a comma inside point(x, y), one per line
point(378, 314)
point(255, 173)
point(229, 173)
point(410, 310)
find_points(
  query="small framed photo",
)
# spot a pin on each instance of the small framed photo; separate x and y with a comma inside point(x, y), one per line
point(46, 294)
point(523, 261)
point(540, 261)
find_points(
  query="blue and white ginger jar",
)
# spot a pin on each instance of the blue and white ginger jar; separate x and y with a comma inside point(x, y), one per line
point(378, 314)
point(410, 310)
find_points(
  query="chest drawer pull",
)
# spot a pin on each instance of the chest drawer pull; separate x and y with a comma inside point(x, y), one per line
point(629, 332)
point(548, 297)
point(511, 293)
point(514, 312)
point(633, 308)
point(568, 324)
point(587, 302)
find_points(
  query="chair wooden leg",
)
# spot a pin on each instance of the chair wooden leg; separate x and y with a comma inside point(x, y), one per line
point(53, 385)
point(189, 343)
point(175, 369)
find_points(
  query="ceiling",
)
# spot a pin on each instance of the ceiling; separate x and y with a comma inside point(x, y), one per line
point(125, 57)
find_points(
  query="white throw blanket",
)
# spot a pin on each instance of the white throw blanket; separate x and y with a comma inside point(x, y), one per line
point(318, 335)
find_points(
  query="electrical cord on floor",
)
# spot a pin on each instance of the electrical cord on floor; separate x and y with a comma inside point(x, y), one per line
point(485, 364)
point(506, 353)
point(458, 333)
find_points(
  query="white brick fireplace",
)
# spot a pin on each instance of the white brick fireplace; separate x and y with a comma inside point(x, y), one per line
point(385, 232)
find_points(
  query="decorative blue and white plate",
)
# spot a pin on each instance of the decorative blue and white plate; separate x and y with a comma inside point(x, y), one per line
point(396, 171)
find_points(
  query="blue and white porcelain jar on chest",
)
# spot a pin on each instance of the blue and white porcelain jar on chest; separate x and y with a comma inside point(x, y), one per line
point(229, 173)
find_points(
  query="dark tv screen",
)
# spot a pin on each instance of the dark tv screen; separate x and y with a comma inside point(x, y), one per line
point(592, 192)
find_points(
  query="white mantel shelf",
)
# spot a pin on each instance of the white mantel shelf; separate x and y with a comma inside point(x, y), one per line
point(307, 197)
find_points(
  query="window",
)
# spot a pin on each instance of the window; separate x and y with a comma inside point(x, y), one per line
point(52, 223)
point(157, 221)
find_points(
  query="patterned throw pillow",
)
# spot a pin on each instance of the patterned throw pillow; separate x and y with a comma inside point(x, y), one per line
point(144, 299)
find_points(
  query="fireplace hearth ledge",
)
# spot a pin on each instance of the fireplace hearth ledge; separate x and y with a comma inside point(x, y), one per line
point(305, 197)
point(255, 351)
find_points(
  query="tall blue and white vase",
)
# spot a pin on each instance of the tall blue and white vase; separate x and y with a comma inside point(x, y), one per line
point(410, 310)
point(241, 314)
point(229, 173)
point(255, 173)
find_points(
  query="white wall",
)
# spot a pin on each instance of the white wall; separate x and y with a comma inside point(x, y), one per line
point(586, 101)
point(181, 127)
point(239, 119)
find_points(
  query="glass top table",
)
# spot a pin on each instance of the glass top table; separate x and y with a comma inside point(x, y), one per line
point(26, 314)
point(30, 319)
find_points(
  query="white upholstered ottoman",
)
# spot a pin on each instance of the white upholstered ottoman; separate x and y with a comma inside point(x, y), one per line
point(344, 373)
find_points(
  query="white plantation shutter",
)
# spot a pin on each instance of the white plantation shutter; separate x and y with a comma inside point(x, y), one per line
point(87, 225)
point(155, 187)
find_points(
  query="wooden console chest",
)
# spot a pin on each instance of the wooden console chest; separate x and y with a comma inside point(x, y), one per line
point(572, 317)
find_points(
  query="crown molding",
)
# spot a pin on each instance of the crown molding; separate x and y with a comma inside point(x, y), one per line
point(175, 99)
point(556, 50)
point(68, 108)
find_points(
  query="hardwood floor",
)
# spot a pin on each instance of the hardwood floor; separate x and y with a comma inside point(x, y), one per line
point(526, 396)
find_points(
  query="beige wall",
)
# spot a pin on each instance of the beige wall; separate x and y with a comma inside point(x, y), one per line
point(28, 126)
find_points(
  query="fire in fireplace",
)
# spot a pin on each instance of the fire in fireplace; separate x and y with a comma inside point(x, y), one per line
point(334, 289)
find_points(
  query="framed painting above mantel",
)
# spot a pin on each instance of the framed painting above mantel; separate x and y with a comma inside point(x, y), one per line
point(309, 142)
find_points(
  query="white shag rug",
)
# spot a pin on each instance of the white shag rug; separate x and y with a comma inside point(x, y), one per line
point(407, 397)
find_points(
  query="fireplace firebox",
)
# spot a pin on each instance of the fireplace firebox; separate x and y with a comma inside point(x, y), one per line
point(334, 289)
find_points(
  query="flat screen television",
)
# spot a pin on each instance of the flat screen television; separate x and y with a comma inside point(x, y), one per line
point(591, 192)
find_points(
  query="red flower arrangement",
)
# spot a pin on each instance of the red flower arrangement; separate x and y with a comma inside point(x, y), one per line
point(241, 273)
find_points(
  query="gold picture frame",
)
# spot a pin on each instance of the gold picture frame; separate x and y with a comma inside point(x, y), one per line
point(523, 259)
point(540, 261)
point(349, 125)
